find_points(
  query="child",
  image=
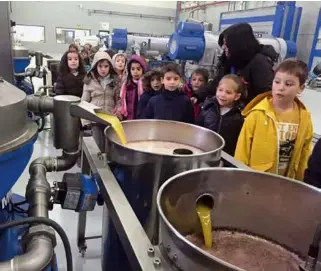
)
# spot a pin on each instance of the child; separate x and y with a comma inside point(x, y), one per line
point(71, 75)
point(277, 133)
point(222, 113)
point(152, 84)
point(312, 174)
point(171, 104)
point(198, 80)
point(101, 88)
point(119, 64)
point(132, 89)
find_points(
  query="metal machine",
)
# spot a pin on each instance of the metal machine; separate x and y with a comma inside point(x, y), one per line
point(192, 43)
point(128, 186)
point(149, 45)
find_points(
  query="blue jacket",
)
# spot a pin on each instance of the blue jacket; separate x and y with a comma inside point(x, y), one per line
point(312, 174)
point(143, 101)
point(170, 105)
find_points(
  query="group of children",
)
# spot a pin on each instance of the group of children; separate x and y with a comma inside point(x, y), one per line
point(273, 133)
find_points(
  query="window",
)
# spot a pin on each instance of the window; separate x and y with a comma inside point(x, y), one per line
point(68, 35)
point(29, 33)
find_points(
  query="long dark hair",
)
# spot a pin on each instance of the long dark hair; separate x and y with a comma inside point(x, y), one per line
point(242, 44)
point(64, 69)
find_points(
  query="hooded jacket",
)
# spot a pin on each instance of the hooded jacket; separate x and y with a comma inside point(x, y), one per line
point(228, 125)
point(94, 91)
point(131, 91)
point(122, 77)
point(170, 105)
point(312, 174)
point(258, 145)
point(252, 61)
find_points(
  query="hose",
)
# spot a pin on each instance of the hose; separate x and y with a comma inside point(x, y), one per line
point(49, 222)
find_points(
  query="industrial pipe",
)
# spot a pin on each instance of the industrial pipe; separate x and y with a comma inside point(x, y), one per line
point(38, 255)
point(40, 248)
point(40, 104)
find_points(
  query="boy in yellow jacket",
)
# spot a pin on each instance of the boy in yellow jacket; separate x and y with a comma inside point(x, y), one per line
point(277, 133)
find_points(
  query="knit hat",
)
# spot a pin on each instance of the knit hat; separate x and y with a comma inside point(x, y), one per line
point(113, 61)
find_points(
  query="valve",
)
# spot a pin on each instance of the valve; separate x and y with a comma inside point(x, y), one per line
point(77, 192)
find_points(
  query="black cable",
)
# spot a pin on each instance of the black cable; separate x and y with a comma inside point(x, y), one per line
point(49, 222)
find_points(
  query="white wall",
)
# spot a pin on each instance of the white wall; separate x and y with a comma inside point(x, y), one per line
point(211, 14)
point(310, 12)
point(68, 14)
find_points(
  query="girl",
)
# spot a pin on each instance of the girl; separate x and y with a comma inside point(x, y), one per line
point(199, 79)
point(132, 89)
point(71, 75)
point(101, 88)
point(222, 113)
point(152, 83)
point(119, 64)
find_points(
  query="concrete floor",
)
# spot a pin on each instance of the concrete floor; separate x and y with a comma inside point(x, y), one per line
point(67, 219)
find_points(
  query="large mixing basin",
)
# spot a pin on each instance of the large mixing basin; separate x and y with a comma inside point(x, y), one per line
point(275, 208)
point(141, 172)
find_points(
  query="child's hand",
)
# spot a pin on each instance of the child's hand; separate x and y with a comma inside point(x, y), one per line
point(194, 100)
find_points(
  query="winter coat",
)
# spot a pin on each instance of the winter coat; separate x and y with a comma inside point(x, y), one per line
point(258, 145)
point(123, 76)
point(131, 91)
point(190, 93)
point(143, 101)
point(69, 84)
point(107, 98)
point(312, 174)
point(228, 125)
point(170, 105)
point(258, 75)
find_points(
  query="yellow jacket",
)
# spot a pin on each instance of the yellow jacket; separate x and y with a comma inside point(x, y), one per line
point(258, 145)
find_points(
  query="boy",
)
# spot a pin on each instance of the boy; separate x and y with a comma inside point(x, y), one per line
point(277, 133)
point(170, 104)
point(198, 80)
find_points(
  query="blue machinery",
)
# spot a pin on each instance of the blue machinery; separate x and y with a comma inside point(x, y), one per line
point(192, 43)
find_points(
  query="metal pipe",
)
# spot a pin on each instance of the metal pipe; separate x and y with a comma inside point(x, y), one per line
point(66, 127)
point(130, 14)
point(40, 104)
point(38, 255)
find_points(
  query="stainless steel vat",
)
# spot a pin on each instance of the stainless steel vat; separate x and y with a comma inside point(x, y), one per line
point(140, 173)
point(273, 207)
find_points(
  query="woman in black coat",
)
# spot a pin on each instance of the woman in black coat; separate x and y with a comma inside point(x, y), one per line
point(312, 174)
point(246, 57)
point(71, 75)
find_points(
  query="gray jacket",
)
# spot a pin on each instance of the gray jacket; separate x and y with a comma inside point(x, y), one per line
point(108, 97)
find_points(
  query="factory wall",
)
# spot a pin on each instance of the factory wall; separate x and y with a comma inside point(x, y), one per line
point(74, 14)
point(310, 10)
point(210, 14)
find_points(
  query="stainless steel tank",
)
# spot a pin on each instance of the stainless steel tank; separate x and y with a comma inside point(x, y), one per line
point(15, 128)
point(140, 173)
point(19, 51)
point(277, 209)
